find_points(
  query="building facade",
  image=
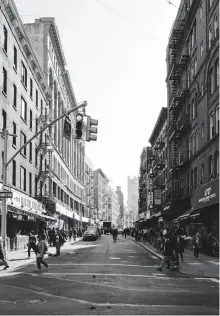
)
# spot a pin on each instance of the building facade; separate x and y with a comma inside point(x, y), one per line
point(89, 192)
point(113, 211)
point(193, 115)
point(61, 180)
point(100, 194)
point(133, 195)
point(23, 98)
point(121, 204)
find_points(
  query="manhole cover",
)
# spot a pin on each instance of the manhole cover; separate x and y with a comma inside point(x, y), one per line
point(30, 301)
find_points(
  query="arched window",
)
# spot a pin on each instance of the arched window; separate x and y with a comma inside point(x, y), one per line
point(215, 25)
point(210, 36)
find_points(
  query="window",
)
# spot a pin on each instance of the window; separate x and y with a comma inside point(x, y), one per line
point(201, 49)
point(30, 151)
point(41, 106)
point(200, 11)
point(210, 167)
point(202, 88)
point(211, 123)
point(197, 141)
point(36, 157)
point(210, 36)
point(36, 125)
point(23, 141)
point(216, 74)
point(192, 180)
point(36, 99)
point(195, 65)
point(195, 177)
point(5, 39)
point(30, 183)
point(35, 185)
point(31, 117)
point(22, 178)
point(4, 119)
point(202, 130)
point(211, 81)
point(23, 109)
point(2, 161)
point(4, 81)
point(193, 109)
point(14, 172)
point(14, 96)
point(14, 132)
point(217, 119)
point(23, 74)
point(216, 25)
point(202, 172)
point(210, 3)
point(31, 88)
point(15, 58)
point(193, 144)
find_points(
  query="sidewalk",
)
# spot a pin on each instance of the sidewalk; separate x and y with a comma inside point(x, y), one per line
point(19, 258)
point(204, 266)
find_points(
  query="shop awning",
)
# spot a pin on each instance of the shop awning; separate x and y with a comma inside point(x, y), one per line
point(184, 215)
point(166, 208)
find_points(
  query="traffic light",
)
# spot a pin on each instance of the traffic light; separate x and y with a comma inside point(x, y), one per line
point(91, 130)
point(79, 126)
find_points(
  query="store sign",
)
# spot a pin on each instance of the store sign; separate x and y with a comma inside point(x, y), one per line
point(157, 197)
point(63, 211)
point(206, 195)
point(24, 202)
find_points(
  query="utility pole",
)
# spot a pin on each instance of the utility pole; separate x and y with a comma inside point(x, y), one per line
point(6, 163)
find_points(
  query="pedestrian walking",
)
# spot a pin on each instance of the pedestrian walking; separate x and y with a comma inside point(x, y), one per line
point(180, 247)
point(125, 232)
point(2, 258)
point(32, 244)
point(41, 250)
point(168, 254)
point(196, 242)
point(58, 241)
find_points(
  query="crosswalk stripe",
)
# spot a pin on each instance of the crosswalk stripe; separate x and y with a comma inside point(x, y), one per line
point(101, 264)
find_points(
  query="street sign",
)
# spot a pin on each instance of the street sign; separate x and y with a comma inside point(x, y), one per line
point(6, 195)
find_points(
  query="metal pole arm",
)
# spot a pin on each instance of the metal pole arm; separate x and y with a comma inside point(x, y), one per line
point(84, 104)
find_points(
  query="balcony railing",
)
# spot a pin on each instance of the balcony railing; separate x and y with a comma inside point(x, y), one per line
point(184, 123)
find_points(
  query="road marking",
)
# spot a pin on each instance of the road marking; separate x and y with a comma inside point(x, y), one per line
point(214, 262)
point(153, 257)
point(101, 264)
point(114, 258)
point(98, 274)
point(210, 279)
point(195, 263)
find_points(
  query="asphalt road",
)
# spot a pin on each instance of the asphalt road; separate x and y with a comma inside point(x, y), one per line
point(106, 278)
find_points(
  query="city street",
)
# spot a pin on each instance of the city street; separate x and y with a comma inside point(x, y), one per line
point(103, 277)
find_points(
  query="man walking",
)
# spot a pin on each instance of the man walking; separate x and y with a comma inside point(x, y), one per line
point(32, 244)
point(42, 249)
point(168, 253)
point(2, 258)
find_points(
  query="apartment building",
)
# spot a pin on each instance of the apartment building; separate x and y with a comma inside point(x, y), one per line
point(132, 185)
point(158, 175)
point(100, 194)
point(23, 98)
point(193, 115)
point(113, 210)
point(121, 204)
point(89, 211)
point(61, 181)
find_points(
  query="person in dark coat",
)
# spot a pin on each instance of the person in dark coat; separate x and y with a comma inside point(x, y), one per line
point(168, 253)
point(32, 244)
point(180, 247)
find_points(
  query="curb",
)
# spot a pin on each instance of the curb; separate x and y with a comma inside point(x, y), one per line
point(31, 261)
point(161, 257)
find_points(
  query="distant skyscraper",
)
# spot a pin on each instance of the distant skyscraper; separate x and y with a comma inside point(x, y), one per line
point(120, 201)
point(133, 195)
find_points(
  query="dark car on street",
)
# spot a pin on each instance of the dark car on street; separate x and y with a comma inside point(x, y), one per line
point(91, 233)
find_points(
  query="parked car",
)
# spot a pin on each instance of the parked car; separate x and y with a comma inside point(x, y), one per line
point(91, 233)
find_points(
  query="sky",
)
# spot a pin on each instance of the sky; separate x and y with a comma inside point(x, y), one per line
point(115, 52)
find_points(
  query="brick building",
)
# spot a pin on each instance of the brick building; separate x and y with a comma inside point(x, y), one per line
point(193, 115)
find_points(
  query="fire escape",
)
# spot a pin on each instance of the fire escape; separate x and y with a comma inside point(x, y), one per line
point(45, 149)
point(179, 120)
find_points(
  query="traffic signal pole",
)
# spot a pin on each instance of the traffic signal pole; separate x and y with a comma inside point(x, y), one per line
point(6, 163)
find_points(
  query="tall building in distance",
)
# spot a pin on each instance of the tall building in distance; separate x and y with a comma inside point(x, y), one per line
point(133, 196)
point(113, 207)
point(121, 204)
point(101, 194)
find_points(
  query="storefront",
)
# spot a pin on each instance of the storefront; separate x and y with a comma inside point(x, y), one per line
point(205, 206)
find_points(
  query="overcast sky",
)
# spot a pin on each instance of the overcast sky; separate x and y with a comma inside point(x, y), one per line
point(115, 52)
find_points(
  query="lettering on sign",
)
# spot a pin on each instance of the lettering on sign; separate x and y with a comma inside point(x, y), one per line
point(207, 196)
